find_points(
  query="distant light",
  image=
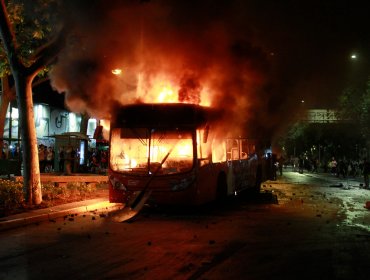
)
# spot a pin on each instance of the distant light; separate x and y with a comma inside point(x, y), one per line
point(116, 71)
point(353, 56)
point(302, 101)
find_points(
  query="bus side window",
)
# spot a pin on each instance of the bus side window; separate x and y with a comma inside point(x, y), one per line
point(204, 146)
point(235, 153)
point(244, 149)
point(232, 146)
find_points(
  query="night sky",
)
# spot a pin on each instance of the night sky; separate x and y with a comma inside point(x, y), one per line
point(312, 42)
point(260, 58)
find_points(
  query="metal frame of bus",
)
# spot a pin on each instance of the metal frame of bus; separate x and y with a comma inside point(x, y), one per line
point(208, 179)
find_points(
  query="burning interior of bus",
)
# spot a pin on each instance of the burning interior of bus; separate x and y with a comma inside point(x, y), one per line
point(173, 150)
point(142, 150)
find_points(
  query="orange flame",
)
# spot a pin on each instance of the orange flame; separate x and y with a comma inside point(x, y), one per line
point(106, 127)
point(163, 89)
point(128, 154)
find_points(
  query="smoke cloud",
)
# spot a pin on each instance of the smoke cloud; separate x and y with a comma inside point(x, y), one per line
point(204, 49)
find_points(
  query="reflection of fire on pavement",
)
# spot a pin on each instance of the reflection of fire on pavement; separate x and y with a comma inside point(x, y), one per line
point(348, 206)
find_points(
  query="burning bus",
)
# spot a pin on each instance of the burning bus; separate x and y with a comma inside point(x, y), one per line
point(178, 152)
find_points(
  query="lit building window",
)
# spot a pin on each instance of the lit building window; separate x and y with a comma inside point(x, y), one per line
point(91, 126)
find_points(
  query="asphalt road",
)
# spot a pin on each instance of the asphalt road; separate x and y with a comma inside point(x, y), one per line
point(299, 227)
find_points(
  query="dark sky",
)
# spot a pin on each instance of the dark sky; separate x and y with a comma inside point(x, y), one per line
point(259, 58)
point(312, 42)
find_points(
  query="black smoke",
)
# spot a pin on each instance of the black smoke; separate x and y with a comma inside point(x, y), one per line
point(203, 46)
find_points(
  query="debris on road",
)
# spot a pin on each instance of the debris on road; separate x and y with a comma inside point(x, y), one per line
point(367, 205)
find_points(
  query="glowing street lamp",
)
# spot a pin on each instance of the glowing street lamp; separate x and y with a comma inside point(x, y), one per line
point(354, 56)
point(117, 71)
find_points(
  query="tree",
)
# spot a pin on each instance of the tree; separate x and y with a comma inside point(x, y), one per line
point(354, 105)
point(32, 32)
point(24, 68)
point(8, 95)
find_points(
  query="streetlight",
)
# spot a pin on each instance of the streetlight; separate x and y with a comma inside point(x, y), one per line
point(117, 71)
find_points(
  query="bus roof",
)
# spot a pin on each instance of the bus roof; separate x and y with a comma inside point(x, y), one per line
point(171, 115)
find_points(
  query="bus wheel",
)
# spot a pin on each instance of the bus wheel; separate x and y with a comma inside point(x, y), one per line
point(221, 192)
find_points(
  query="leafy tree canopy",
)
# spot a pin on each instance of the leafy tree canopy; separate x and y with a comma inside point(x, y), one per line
point(354, 104)
point(34, 24)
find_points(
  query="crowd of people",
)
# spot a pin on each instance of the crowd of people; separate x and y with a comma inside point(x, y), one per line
point(46, 158)
point(341, 168)
point(11, 151)
point(97, 161)
point(68, 160)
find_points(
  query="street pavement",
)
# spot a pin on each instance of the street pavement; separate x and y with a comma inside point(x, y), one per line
point(103, 205)
point(332, 179)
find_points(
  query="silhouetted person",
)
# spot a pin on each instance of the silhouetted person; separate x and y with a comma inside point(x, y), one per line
point(366, 172)
point(314, 165)
point(68, 160)
point(281, 163)
point(61, 159)
point(301, 165)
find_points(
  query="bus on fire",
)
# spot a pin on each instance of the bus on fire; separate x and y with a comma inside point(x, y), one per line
point(179, 153)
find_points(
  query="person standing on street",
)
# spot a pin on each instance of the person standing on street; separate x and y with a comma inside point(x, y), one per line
point(281, 163)
point(49, 159)
point(301, 164)
point(42, 157)
point(366, 172)
point(61, 159)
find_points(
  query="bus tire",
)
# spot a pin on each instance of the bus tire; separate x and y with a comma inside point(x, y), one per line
point(221, 191)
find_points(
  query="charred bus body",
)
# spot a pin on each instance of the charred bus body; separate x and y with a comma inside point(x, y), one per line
point(178, 152)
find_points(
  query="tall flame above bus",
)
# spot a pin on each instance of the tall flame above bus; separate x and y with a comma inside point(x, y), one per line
point(161, 88)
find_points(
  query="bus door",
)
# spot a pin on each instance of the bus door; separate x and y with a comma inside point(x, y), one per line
point(238, 151)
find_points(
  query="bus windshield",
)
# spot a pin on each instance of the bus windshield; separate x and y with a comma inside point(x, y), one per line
point(148, 151)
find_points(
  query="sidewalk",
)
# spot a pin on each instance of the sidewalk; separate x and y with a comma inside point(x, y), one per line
point(45, 214)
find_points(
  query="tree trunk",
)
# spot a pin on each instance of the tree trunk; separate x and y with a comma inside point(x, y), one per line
point(7, 96)
point(31, 170)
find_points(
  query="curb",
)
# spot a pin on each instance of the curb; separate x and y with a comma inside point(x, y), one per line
point(41, 215)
